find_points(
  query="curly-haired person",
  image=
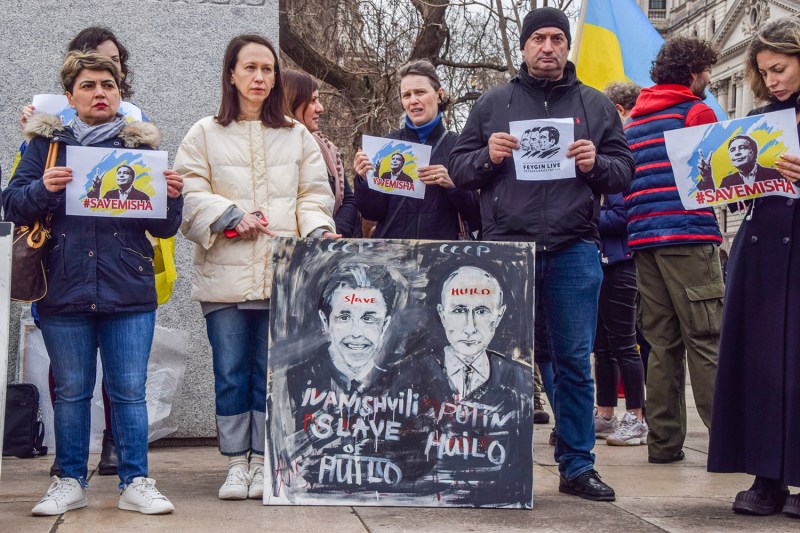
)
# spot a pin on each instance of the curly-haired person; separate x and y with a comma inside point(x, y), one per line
point(676, 251)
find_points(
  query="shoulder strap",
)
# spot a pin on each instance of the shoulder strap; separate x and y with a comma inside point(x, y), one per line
point(38, 449)
point(391, 218)
point(52, 155)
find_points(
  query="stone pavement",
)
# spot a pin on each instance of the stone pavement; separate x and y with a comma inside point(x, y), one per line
point(676, 497)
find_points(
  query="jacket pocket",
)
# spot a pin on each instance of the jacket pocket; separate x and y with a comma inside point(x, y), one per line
point(136, 261)
point(140, 264)
point(705, 308)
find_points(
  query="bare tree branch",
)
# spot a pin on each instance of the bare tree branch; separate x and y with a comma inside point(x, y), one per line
point(493, 66)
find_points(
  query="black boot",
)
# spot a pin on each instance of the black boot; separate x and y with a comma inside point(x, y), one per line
point(108, 457)
point(55, 470)
point(765, 497)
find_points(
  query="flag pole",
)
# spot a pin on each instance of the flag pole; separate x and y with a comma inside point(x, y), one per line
point(579, 32)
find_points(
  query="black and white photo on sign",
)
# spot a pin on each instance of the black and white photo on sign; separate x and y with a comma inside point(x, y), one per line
point(542, 154)
point(400, 374)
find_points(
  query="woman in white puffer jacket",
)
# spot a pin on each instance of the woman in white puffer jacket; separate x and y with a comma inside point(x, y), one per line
point(250, 174)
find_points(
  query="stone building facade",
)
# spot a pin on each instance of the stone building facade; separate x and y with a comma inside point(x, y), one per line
point(729, 24)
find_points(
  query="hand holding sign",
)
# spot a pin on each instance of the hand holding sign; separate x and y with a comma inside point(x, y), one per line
point(361, 163)
point(436, 175)
point(584, 152)
point(55, 179)
point(174, 183)
point(27, 112)
point(789, 167)
point(501, 146)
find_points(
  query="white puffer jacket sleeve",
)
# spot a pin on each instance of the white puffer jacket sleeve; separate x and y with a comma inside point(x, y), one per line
point(202, 207)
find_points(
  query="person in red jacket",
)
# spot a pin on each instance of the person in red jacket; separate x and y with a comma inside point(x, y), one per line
point(676, 250)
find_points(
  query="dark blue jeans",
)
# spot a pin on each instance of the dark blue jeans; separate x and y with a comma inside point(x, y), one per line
point(124, 340)
point(567, 290)
point(239, 344)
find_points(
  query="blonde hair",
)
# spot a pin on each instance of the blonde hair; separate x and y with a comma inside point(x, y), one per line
point(76, 62)
point(780, 36)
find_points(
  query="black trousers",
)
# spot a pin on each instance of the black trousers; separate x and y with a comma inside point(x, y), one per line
point(615, 349)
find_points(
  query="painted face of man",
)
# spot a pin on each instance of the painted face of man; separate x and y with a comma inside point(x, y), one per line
point(544, 140)
point(470, 311)
point(125, 177)
point(741, 153)
point(397, 162)
point(356, 324)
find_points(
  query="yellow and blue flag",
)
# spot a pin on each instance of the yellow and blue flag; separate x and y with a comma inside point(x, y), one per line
point(616, 42)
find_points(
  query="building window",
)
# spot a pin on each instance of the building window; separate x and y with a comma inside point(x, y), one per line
point(658, 4)
point(713, 26)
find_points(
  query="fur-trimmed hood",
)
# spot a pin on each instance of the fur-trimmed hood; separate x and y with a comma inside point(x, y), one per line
point(133, 134)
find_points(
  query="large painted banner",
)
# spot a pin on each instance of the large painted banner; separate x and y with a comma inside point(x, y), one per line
point(400, 374)
point(727, 162)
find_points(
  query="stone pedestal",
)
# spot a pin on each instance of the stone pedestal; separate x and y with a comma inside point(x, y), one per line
point(176, 49)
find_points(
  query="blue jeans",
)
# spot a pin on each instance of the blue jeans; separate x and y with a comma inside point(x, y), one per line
point(567, 291)
point(239, 342)
point(124, 340)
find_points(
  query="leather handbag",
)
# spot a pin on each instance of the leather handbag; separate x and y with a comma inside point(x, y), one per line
point(29, 253)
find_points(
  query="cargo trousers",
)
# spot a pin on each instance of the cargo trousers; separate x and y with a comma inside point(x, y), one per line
point(680, 308)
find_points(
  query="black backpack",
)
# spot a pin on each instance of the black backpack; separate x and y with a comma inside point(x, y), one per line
point(24, 429)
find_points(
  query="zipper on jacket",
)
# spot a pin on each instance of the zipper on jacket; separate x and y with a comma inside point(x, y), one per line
point(63, 256)
point(547, 99)
point(125, 247)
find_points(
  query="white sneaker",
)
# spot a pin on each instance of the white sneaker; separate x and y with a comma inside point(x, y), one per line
point(65, 494)
point(236, 484)
point(143, 496)
point(256, 490)
point(631, 432)
point(603, 427)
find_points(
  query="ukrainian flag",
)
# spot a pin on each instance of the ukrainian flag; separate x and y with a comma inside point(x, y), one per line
point(616, 42)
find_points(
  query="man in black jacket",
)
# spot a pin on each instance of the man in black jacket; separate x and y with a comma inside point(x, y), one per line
point(560, 216)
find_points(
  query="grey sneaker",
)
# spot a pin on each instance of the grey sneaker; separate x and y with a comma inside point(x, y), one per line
point(603, 427)
point(631, 432)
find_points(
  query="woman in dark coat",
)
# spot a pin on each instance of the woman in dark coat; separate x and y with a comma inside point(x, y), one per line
point(101, 285)
point(437, 215)
point(756, 417)
point(301, 95)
